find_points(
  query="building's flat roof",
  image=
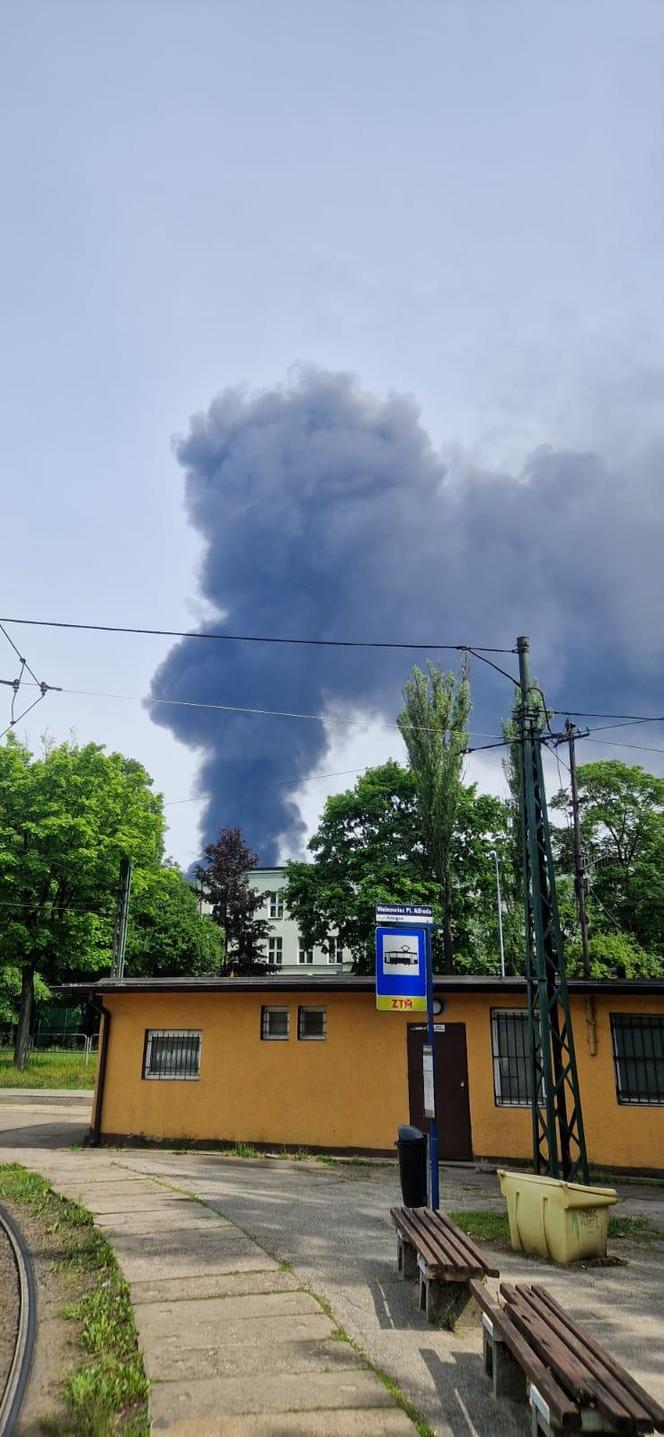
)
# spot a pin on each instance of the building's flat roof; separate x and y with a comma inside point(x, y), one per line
point(351, 983)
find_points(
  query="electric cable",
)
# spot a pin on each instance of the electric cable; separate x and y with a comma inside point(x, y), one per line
point(260, 638)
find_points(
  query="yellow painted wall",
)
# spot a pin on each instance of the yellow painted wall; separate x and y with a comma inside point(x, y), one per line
point(351, 1090)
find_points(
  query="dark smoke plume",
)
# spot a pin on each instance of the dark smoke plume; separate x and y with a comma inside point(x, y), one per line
point(326, 513)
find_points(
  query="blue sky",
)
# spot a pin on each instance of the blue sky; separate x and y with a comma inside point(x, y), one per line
point(457, 201)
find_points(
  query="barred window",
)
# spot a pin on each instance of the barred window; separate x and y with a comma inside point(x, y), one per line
point(274, 1024)
point(638, 1054)
point(511, 1059)
point(276, 901)
point(304, 954)
point(312, 1023)
point(172, 1053)
point(275, 950)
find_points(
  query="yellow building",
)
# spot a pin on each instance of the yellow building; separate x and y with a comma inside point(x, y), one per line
point(284, 1061)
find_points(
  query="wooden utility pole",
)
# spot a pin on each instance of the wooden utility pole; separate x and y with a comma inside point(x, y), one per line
point(122, 919)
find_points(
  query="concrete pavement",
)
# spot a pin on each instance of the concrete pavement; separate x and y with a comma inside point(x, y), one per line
point(331, 1224)
point(231, 1340)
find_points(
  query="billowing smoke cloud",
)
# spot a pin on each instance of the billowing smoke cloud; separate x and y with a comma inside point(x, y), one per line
point(326, 513)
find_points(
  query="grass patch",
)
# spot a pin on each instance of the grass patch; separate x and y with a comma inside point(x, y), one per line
point(488, 1226)
point(48, 1070)
point(107, 1393)
point(639, 1230)
point(483, 1224)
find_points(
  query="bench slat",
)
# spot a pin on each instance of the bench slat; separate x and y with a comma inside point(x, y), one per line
point(466, 1244)
point(438, 1261)
point(571, 1337)
point(441, 1242)
point(598, 1354)
point(572, 1373)
point(453, 1253)
point(561, 1406)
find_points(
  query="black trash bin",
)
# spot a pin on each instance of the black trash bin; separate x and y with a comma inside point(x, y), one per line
point(412, 1150)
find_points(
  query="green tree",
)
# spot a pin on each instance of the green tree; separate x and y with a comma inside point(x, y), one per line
point(622, 834)
point(224, 879)
point(368, 849)
point(66, 820)
point(167, 934)
point(434, 727)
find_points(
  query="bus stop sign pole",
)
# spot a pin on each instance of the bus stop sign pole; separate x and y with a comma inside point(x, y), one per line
point(434, 1192)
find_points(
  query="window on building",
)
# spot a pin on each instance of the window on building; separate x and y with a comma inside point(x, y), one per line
point(511, 1062)
point(312, 1023)
point(304, 954)
point(638, 1053)
point(275, 950)
point(335, 950)
point(276, 904)
point(172, 1053)
point(274, 1024)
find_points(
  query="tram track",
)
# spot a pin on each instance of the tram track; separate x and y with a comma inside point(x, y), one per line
point(12, 1395)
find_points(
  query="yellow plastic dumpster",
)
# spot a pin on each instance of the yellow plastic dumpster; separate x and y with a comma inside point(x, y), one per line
point(554, 1219)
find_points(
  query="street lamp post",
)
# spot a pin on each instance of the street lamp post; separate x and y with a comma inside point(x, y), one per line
point(493, 853)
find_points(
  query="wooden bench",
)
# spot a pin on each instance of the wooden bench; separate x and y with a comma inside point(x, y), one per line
point(535, 1352)
point(433, 1249)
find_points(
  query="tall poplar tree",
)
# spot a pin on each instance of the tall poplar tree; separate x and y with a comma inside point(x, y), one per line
point(434, 727)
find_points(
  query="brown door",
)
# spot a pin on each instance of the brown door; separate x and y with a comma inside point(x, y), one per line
point(452, 1104)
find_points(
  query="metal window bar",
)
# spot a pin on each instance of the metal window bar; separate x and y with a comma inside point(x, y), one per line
point(312, 1023)
point(511, 1058)
point(172, 1054)
point(638, 1055)
point(274, 1024)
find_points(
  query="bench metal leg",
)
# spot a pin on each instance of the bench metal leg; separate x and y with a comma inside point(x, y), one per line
point(507, 1378)
point(406, 1259)
point(447, 1304)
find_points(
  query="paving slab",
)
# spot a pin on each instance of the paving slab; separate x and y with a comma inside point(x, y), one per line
point(218, 1312)
point(119, 1197)
point(285, 1392)
point(140, 1257)
point(382, 1422)
point(259, 1332)
point(218, 1284)
point(184, 1363)
point(149, 1216)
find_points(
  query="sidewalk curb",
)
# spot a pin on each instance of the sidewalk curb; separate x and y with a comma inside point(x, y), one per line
point(47, 1097)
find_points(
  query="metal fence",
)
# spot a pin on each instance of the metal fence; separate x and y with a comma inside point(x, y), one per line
point(53, 1041)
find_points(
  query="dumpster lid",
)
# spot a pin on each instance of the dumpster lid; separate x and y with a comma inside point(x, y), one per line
point(408, 1134)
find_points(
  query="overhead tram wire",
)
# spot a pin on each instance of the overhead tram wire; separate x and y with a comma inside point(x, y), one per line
point(476, 649)
point(16, 684)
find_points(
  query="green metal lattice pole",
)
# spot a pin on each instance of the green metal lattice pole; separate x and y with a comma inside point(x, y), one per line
point(559, 1148)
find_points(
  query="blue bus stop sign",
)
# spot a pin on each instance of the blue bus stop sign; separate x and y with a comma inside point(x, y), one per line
point(401, 970)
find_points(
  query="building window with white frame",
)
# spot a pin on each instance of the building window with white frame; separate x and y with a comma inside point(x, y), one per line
point(276, 903)
point(172, 1054)
point(335, 950)
point(312, 1024)
point(304, 954)
point(275, 952)
point(275, 1024)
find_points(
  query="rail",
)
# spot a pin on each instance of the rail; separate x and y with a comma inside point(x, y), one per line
point(12, 1398)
